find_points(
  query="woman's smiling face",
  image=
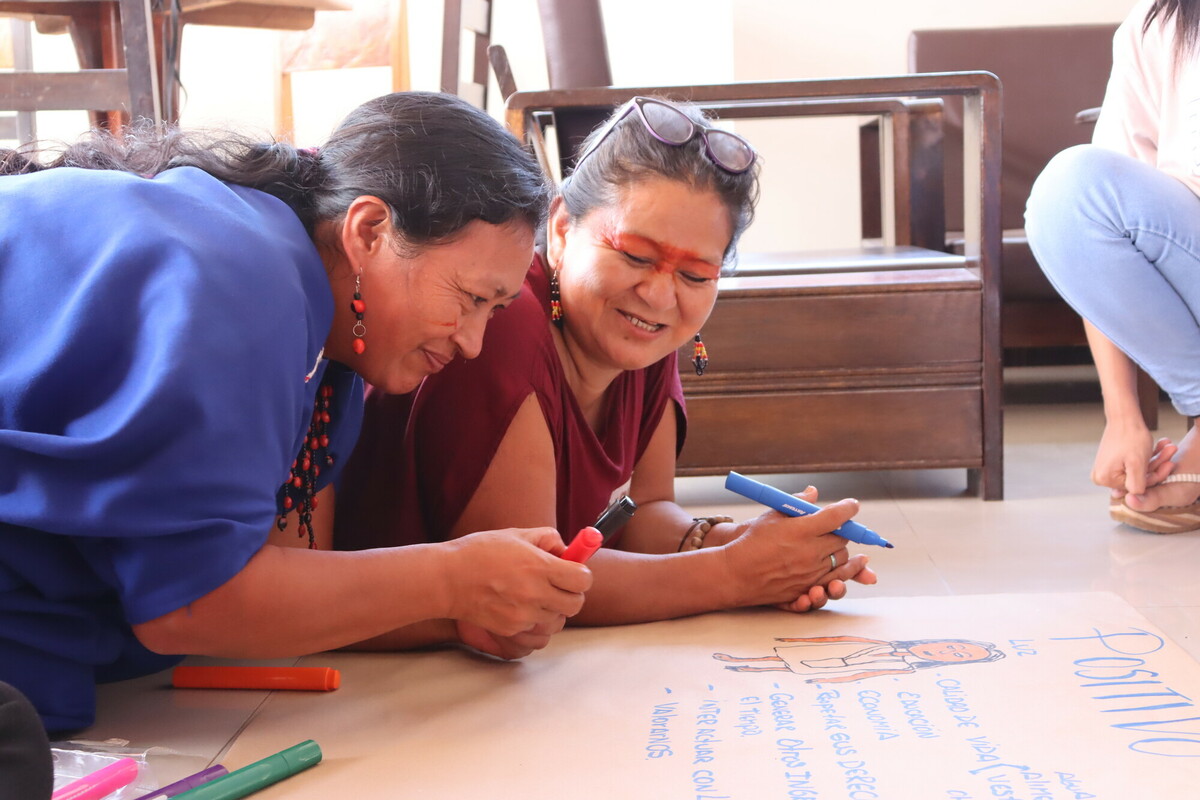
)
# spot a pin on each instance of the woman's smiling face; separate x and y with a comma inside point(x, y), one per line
point(639, 278)
point(430, 305)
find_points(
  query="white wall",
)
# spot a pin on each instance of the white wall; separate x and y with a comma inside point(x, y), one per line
point(810, 180)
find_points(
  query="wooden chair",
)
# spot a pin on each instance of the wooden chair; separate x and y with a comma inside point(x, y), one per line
point(367, 33)
point(576, 57)
point(1039, 121)
point(466, 34)
point(880, 358)
point(104, 31)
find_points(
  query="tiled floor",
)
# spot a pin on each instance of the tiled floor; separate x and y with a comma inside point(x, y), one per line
point(1051, 533)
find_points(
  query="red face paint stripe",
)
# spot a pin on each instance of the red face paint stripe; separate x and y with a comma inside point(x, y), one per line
point(666, 258)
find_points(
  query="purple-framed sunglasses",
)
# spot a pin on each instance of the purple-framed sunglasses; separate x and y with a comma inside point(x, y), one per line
point(671, 126)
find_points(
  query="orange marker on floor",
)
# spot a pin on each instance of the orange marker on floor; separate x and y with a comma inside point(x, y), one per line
point(312, 679)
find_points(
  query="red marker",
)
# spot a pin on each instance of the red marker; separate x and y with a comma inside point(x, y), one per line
point(585, 543)
point(591, 539)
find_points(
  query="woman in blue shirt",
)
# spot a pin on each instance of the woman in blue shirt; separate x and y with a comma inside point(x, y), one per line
point(185, 326)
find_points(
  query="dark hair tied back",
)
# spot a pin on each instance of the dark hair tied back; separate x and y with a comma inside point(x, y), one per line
point(279, 169)
point(438, 161)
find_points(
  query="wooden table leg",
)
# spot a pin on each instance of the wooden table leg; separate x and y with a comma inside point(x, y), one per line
point(96, 33)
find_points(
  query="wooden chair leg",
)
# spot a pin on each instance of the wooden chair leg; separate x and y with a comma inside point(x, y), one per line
point(87, 36)
point(1147, 391)
point(138, 57)
point(285, 118)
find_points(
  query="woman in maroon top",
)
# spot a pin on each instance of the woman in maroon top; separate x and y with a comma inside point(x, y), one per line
point(564, 408)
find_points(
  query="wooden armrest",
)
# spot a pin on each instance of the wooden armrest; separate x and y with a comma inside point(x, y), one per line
point(766, 99)
point(911, 184)
point(895, 97)
point(932, 84)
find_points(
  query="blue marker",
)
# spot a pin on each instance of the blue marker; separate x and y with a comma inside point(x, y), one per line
point(785, 503)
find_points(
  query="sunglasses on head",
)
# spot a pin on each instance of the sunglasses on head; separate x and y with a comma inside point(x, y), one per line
point(671, 126)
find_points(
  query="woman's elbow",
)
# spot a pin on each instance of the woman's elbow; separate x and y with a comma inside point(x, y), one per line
point(166, 635)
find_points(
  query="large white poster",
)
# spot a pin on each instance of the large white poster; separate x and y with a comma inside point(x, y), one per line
point(1037, 697)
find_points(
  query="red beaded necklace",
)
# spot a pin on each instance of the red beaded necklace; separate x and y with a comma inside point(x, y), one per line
point(299, 491)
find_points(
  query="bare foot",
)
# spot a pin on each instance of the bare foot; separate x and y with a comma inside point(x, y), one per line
point(1173, 495)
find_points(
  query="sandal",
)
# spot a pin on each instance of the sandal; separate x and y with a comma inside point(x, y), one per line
point(1168, 519)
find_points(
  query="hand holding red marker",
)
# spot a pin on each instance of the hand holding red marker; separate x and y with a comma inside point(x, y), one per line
point(592, 538)
point(585, 543)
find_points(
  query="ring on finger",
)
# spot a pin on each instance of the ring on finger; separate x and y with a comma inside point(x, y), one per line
point(833, 560)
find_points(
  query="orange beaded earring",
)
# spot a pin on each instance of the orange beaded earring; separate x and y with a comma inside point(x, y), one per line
point(556, 312)
point(699, 355)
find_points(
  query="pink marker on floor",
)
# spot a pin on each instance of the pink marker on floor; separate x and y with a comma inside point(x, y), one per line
point(100, 783)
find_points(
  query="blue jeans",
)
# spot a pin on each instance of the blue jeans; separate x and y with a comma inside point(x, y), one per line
point(1120, 241)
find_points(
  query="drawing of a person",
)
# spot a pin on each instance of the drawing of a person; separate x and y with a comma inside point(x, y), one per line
point(841, 659)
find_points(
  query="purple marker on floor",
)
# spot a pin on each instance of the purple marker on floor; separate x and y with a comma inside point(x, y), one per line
point(187, 784)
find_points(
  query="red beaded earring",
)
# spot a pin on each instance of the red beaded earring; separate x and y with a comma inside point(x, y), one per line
point(699, 355)
point(358, 307)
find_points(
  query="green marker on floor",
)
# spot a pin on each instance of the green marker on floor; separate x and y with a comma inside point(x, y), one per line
point(259, 775)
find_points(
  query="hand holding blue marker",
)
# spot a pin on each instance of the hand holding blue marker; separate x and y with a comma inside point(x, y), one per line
point(793, 506)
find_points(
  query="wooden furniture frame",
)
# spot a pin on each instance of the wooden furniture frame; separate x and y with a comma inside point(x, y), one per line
point(16, 53)
point(1042, 117)
point(95, 28)
point(115, 32)
point(469, 20)
point(870, 360)
point(358, 35)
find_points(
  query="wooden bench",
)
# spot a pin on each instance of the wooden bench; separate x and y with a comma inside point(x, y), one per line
point(877, 358)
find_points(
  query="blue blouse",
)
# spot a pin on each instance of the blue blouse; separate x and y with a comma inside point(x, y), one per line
point(160, 351)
